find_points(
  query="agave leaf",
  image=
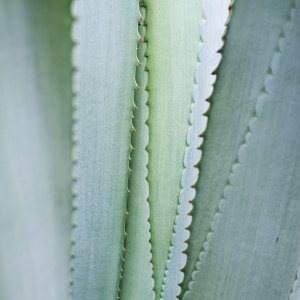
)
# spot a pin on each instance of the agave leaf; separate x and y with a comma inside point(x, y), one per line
point(252, 38)
point(35, 152)
point(173, 34)
point(215, 16)
point(137, 282)
point(106, 33)
point(252, 251)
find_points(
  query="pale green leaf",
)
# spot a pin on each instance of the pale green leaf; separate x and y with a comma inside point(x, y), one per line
point(252, 251)
point(35, 152)
point(253, 34)
point(106, 33)
point(173, 34)
point(215, 16)
point(137, 282)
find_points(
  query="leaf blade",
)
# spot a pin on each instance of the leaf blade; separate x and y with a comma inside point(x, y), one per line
point(106, 60)
point(253, 240)
point(137, 282)
point(228, 117)
point(216, 14)
point(173, 36)
point(35, 156)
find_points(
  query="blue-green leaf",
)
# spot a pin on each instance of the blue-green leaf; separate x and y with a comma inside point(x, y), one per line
point(253, 34)
point(215, 16)
point(106, 33)
point(252, 251)
point(137, 283)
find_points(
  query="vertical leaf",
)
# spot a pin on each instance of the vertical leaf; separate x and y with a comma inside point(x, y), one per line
point(252, 251)
point(35, 152)
point(107, 35)
point(173, 34)
point(137, 282)
point(215, 17)
point(252, 38)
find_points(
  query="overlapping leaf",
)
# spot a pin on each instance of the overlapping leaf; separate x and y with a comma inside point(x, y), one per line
point(105, 81)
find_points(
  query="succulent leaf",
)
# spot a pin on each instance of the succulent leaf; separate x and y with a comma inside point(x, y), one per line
point(253, 34)
point(252, 250)
point(106, 34)
point(36, 149)
point(173, 30)
point(137, 282)
point(215, 16)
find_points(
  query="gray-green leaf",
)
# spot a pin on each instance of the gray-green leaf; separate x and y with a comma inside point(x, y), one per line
point(253, 249)
point(36, 149)
point(106, 33)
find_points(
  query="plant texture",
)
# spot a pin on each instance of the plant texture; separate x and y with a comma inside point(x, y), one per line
point(149, 150)
point(36, 149)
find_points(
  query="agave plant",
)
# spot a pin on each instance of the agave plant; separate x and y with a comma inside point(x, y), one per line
point(135, 165)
